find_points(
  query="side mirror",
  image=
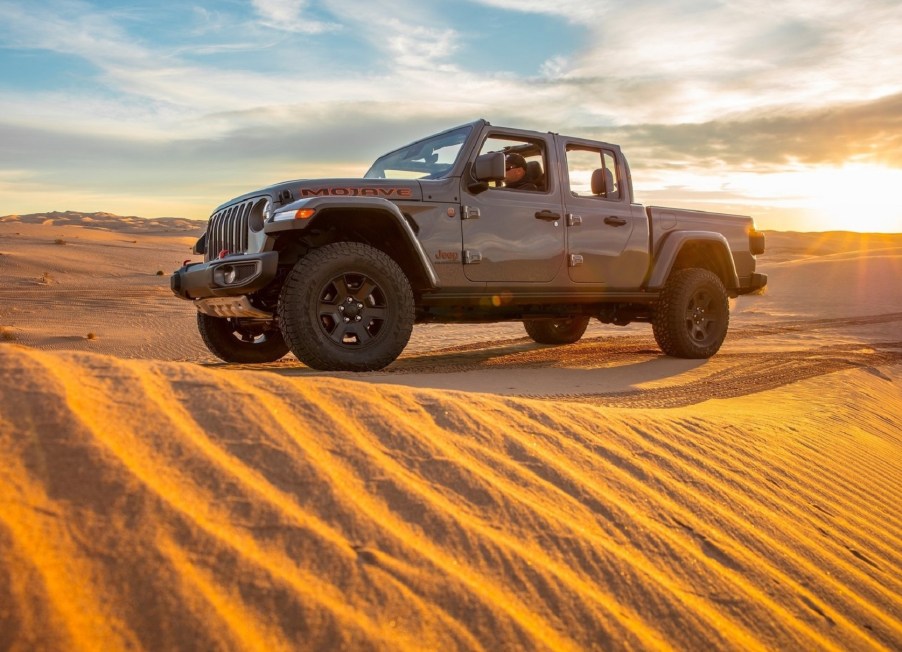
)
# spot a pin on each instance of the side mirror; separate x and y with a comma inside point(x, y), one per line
point(489, 167)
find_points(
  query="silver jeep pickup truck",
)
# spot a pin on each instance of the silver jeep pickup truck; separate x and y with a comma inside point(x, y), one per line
point(474, 224)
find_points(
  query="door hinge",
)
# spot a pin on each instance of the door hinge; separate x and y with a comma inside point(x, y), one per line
point(471, 257)
point(575, 260)
point(469, 213)
point(574, 220)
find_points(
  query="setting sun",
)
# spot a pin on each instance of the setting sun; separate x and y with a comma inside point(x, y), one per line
point(854, 197)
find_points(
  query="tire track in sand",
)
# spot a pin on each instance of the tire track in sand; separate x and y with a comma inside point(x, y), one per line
point(733, 374)
point(748, 374)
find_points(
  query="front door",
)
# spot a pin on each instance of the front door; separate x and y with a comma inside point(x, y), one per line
point(514, 231)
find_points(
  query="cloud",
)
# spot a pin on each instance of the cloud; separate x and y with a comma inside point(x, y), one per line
point(576, 11)
point(657, 63)
point(404, 34)
point(296, 71)
point(746, 85)
point(339, 140)
point(290, 16)
point(68, 27)
point(645, 62)
point(668, 61)
point(861, 132)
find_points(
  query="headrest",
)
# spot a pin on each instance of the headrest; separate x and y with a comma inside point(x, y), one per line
point(603, 182)
point(533, 171)
point(598, 181)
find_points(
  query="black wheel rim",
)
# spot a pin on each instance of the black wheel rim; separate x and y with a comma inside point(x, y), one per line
point(704, 316)
point(352, 310)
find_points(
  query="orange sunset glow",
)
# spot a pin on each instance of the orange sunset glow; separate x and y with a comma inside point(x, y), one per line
point(611, 361)
point(791, 115)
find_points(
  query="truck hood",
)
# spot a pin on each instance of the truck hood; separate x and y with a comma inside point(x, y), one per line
point(288, 191)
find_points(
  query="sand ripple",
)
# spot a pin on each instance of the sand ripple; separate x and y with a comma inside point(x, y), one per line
point(164, 505)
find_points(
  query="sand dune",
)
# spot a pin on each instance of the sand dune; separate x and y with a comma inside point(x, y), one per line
point(166, 505)
point(595, 496)
point(64, 280)
point(106, 221)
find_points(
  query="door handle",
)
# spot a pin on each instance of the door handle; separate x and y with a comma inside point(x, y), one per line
point(548, 216)
point(614, 221)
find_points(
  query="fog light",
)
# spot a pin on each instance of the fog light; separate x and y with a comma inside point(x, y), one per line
point(229, 274)
point(235, 273)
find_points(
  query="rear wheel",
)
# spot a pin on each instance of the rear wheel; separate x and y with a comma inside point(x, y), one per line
point(346, 306)
point(691, 317)
point(565, 330)
point(241, 340)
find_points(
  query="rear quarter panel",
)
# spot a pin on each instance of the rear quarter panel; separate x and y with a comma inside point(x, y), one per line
point(735, 228)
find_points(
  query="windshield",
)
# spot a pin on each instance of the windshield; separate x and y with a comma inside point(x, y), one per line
point(431, 158)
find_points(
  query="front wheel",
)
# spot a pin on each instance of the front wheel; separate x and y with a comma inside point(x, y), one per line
point(692, 314)
point(346, 306)
point(241, 340)
point(566, 330)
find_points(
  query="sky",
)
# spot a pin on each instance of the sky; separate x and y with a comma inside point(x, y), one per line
point(786, 110)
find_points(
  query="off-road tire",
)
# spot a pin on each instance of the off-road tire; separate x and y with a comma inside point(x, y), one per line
point(691, 316)
point(346, 306)
point(236, 340)
point(565, 330)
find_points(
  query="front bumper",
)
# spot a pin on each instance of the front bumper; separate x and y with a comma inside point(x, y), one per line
point(230, 276)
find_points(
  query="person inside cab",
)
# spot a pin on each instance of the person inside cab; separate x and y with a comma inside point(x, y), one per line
point(515, 176)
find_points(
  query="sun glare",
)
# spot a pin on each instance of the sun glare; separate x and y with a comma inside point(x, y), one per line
point(854, 197)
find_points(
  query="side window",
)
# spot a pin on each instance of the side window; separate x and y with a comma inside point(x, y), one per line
point(593, 173)
point(525, 163)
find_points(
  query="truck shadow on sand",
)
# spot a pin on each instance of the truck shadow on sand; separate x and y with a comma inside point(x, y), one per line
point(532, 379)
point(625, 371)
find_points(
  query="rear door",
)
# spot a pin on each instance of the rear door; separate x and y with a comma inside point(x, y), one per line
point(607, 237)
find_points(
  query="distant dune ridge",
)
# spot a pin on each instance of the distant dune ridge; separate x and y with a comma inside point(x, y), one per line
point(110, 221)
point(151, 502)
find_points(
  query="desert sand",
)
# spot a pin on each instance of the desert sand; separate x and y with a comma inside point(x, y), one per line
point(482, 492)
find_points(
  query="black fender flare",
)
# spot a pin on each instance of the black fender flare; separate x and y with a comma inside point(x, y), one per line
point(674, 243)
point(328, 208)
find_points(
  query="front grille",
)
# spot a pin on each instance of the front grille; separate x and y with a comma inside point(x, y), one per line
point(227, 230)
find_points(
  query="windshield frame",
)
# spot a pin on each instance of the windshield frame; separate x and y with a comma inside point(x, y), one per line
point(413, 158)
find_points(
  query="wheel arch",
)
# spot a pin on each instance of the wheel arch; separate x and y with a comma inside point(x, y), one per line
point(700, 249)
point(373, 221)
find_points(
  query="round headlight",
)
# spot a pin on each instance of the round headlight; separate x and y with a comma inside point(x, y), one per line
point(260, 214)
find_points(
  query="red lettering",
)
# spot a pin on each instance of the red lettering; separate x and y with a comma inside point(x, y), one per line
point(446, 255)
point(355, 192)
